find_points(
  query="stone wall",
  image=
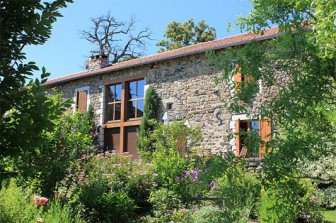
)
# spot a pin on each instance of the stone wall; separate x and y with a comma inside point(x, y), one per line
point(188, 91)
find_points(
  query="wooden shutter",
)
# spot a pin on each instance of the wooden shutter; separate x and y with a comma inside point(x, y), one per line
point(237, 78)
point(82, 101)
point(265, 135)
point(248, 79)
point(238, 142)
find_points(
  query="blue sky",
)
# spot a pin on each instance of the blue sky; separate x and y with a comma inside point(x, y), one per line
point(65, 52)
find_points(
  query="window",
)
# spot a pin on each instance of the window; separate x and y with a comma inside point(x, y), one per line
point(252, 135)
point(113, 102)
point(123, 111)
point(240, 79)
point(135, 99)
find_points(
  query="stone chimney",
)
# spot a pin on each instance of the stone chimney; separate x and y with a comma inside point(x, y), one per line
point(96, 62)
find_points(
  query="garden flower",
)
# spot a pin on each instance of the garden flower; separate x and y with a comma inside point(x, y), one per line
point(36, 200)
point(179, 179)
point(43, 201)
point(312, 199)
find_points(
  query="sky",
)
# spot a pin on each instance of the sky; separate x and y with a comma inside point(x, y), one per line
point(66, 52)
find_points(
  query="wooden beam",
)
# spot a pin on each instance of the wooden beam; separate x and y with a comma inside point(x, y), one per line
point(122, 116)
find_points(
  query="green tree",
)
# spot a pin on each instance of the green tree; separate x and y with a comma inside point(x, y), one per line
point(25, 109)
point(144, 143)
point(179, 35)
point(301, 65)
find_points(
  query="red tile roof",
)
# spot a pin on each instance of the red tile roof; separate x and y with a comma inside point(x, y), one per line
point(185, 51)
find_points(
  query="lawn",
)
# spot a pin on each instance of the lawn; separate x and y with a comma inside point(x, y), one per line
point(329, 216)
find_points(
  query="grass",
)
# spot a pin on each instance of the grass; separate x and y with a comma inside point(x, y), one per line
point(329, 216)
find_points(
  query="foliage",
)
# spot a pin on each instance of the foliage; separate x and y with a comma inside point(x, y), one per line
point(46, 164)
point(328, 197)
point(237, 191)
point(179, 35)
point(166, 204)
point(300, 67)
point(144, 143)
point(25, 109)
point(285, 210)
point(169, 164)
point(16, 205)
point(176, 135)
point(107, 32)
point(289, 200)
point(109, 186)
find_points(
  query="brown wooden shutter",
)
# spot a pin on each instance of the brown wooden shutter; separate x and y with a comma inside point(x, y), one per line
point(248, 79)
point(82, 101)
point(238, 142)
point(237, 78)
point(265, 134)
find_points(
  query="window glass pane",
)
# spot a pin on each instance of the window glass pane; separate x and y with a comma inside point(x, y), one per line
point(254, 147)
point(255, 125)
point(140, 108)
point(118, 92)
point(109, 112)
point(141, 88)
point(132, 90)
point(117, 111)
point(110, 94)
point(131, 109)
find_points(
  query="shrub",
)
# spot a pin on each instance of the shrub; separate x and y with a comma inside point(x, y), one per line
point(207, 213)
point(328, 197)
point(289, 200)
point(169, 164)
point(43, 167)
point(176, 135)
point(17, 205)
point(276, 207)
point(111, 187)
point(144, 143)
point(237, 191)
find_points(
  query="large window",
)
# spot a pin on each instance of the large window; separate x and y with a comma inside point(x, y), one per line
point(113, 102)
point(135, 99)
point(123, 111)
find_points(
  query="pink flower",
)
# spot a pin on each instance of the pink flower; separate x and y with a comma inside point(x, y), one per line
point(36, 200)
point(43, 200)
point(312, 199)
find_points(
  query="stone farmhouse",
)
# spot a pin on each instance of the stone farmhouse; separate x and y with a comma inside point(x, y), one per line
point(184, 81)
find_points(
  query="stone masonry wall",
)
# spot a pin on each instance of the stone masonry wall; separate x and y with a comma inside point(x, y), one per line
point(188, 91)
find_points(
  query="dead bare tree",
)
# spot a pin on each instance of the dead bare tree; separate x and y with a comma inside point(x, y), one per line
point(118, 40)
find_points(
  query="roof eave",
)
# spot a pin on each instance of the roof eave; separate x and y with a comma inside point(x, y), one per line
point(163, 59)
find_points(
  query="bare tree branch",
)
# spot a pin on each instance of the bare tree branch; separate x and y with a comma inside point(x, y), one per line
point(118, 40)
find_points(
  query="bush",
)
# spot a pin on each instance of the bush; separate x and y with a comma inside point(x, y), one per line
point(178, 136)
point(110, 187)
point(145, 144)
point(236, 190)
point(288, 201)
point(17, 205)
point(328, 197)
point(43, 167)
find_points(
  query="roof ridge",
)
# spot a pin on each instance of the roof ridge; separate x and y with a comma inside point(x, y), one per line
point(180, 52)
